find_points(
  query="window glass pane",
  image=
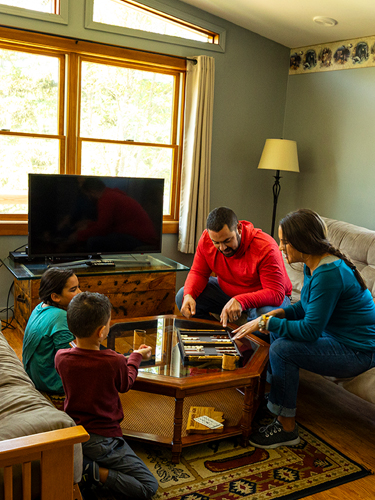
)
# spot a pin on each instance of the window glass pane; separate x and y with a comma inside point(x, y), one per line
point(20, 156)
point(126, 104)
point(29, 92)
point(128, 161)
point(125, 15)
point(39, 5)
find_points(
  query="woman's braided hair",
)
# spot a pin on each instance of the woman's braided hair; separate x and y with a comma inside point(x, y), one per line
point(306, 231)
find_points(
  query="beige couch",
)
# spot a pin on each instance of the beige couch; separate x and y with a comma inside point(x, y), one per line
point(32, 429)
point(358, 243)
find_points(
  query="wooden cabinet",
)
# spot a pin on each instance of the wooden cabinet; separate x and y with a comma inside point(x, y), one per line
point(133, 293)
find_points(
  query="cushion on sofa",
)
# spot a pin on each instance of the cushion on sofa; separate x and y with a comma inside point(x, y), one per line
point(23, 409)
point(357, 243)
point(362, 385)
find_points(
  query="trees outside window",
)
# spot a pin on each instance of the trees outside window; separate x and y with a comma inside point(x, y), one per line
point(69, 109)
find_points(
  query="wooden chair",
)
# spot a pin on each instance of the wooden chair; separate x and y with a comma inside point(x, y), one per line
point(54, 451)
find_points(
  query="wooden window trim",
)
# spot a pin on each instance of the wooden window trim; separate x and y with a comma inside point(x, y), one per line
point(70, 53)
point(211, 35)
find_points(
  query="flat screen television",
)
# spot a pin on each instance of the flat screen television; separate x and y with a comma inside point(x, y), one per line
point(87, 216)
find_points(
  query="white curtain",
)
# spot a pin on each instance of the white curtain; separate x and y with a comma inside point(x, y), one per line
point(196, 159)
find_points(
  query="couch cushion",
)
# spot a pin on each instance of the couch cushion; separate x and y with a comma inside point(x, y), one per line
point(23, 409)
point(362, 385)
point(357, 243)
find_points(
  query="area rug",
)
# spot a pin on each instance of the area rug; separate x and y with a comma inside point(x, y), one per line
point(223, 470)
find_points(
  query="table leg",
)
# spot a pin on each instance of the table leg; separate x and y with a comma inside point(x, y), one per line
point(177, 430)
point(248, 411)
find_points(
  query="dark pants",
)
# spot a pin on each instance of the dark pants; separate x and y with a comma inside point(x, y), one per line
point(213, 299)
point(128, 474)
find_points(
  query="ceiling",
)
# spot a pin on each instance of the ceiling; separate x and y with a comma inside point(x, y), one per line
point(290, 22)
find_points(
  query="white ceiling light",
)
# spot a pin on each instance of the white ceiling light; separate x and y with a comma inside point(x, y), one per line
point(325, 21)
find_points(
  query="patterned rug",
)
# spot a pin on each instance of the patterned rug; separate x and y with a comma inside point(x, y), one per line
point(223, 470)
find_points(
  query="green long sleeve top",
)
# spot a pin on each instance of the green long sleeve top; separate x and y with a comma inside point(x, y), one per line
point(332, 303)
point(46, 332)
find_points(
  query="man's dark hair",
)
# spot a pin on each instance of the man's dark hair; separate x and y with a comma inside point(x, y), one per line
point(87, 312)
point(53, 281)
point(220, 216)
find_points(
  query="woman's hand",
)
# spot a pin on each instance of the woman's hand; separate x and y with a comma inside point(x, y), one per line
point(250, 327)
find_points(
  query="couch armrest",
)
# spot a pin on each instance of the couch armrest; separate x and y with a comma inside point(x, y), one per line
point(54, 450)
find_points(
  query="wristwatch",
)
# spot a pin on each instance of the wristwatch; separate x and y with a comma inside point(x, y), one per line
point(262, 325)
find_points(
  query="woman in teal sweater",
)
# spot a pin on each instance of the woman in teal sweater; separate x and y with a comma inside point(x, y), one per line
point(47, 329)
point(330, 331)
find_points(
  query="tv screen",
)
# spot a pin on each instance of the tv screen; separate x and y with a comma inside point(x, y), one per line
point(84, 216)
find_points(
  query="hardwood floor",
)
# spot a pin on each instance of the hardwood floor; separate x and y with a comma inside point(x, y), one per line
point(342, 419)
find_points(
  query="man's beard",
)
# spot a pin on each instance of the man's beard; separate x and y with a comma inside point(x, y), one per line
point(232, 252)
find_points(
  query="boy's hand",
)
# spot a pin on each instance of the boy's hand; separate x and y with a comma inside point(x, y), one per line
point(145, 350)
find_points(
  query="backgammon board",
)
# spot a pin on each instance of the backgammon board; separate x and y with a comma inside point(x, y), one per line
point(199, 346)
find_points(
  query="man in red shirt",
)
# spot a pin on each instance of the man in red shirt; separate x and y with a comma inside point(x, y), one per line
point(249, 269)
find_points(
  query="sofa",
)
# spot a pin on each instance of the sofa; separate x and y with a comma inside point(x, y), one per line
point(357, 243)
point(34, 433)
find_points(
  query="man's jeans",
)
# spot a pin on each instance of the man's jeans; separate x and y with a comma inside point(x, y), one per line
point(326, 356)
point(213, 299)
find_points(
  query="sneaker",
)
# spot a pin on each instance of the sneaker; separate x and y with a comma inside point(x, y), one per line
point(273, 435)
point(90, 473)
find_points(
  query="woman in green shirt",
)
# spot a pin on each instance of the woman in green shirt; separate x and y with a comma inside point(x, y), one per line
point(47, 329)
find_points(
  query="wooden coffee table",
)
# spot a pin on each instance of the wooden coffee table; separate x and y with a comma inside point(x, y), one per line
point(157, 407)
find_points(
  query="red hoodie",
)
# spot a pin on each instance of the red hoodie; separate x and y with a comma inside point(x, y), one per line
point(255, 275)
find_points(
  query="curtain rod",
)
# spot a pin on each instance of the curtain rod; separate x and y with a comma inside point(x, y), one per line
point(99, 43)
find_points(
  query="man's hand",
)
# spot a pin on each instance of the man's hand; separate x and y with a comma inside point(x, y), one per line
point(231, 312)
point(188, 306)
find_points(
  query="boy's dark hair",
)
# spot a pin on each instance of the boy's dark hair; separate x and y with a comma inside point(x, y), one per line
point(220, 216)
point(53, 281)
point(87, 312)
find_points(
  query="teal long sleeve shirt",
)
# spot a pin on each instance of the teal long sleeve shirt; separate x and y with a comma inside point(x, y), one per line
point(46, 332)
point(332, 303)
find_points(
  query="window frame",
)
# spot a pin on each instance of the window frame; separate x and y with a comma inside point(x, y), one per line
point(60, 18)
point(71, 54)
point(167, 10)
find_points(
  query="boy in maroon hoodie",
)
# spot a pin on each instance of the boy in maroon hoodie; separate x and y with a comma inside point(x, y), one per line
point(92, 379)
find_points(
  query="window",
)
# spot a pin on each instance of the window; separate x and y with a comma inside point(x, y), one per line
point(54, 11)
point(134, 15)
point(153, 20)
point(50, 6)
point(76, 110)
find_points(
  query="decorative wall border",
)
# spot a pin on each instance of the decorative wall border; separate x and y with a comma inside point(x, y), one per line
point(349, 54)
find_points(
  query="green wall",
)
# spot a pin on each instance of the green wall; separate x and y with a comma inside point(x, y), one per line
point(331, 115)
point(250, 94)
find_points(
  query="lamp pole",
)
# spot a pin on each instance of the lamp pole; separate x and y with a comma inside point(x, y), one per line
point(276, 191)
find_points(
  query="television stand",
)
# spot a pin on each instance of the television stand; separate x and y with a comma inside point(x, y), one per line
point(133, 261)
point(68, 263)
point(124, 262)
point(134, 291)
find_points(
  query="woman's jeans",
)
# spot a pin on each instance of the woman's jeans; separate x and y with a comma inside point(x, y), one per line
point(326, 356)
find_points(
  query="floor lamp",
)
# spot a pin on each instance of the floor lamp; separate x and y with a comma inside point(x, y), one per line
point(278, 154)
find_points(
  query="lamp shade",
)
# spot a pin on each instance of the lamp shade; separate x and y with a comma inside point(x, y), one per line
point(279, 154)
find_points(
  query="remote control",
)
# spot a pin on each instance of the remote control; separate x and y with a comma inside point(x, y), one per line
point(208, 422)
